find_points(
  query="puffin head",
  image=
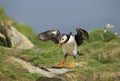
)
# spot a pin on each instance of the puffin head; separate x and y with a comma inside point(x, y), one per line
point(63, 39)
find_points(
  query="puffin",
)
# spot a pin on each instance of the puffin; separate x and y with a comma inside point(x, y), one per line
point(68, 42)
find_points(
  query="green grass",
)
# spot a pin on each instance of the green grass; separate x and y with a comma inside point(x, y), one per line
point(102, 57)
point(12, 71)
point(96, 51)
point(24, 29)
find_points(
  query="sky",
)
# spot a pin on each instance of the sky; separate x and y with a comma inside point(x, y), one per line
point(64, 15)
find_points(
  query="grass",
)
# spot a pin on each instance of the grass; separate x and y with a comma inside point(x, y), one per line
point(101, 56)
point(12, 71)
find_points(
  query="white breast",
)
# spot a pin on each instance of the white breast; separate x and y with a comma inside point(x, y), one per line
point(70, 47)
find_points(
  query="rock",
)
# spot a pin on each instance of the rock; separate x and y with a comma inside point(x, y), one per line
point(44, 72)
point(60, 70)
point(18, 40)
point(10, 37)
point(3, 40)
point(4, 37)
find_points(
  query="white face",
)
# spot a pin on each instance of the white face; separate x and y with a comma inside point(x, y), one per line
point(63, 39)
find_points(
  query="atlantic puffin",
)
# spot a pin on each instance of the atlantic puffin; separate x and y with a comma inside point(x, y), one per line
point(67, 42)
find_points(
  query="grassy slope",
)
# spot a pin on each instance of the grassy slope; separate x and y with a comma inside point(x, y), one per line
point(9, 70)
point(12, 71)
point(101, 54)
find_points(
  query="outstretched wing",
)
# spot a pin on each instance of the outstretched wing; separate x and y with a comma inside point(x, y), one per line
point(81, 35)
point(50, 35)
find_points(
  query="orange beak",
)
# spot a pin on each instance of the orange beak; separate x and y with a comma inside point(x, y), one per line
point(60, 45)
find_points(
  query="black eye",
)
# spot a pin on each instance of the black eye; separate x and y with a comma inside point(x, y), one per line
point(62, 39)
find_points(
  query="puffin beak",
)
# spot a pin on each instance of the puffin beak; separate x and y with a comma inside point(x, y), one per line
point(60, 45)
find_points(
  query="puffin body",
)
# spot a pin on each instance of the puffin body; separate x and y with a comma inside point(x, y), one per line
point(67, 42)
point(70, 46)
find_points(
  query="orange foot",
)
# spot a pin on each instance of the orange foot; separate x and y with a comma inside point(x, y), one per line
point(61, 64)
point(71, 65)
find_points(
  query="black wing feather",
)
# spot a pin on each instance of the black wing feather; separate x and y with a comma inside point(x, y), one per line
point(81, 35)
point(50, 35)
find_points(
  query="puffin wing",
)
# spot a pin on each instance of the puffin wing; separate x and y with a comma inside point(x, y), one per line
point(81, 35)
point(50, 35)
